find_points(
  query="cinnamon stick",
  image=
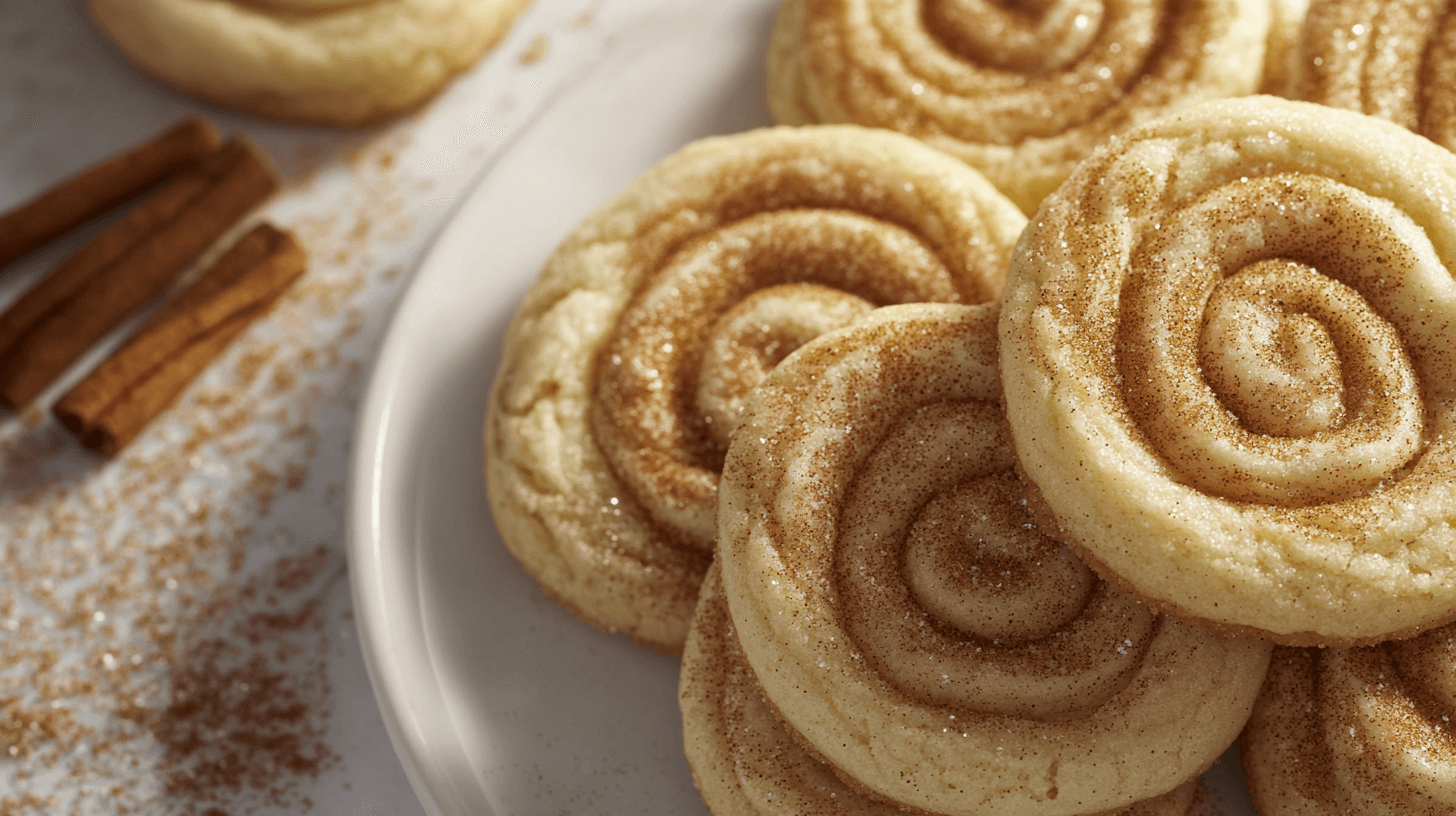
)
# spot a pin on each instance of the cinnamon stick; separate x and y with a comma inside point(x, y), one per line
point(108, 408)
point(72, 274)
point(48, 328)
point(104, 186)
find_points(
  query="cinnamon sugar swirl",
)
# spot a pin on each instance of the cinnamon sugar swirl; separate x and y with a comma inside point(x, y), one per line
point(1228, 357)
point(747, 762)
point(1396, 61)
point(626, 366)
point(1022, 94)
point(894, 601)
point(323, 62)
point(1365, 730)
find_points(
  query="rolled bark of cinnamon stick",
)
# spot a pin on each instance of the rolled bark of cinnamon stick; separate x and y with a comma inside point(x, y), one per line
point(104, 186)
point(131, 264)
point(108, 408)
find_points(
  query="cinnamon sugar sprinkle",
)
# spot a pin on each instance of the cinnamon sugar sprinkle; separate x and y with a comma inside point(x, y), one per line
point(165, 630)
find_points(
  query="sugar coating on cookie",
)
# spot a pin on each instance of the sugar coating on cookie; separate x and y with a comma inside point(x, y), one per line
point(1020, 94)
point(747, 762)
point(329, 62)
point(1364, 730)
point(743, 759)
point(627, 363)
point(902, 614)
point(1228, 353)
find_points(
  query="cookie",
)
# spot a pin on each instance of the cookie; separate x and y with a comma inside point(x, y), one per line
point(743, 759)
point(1281, 60)
point(626, 365)
point(1021, 95)
point(1395, 61)
point(1364, 730)
point(324, 62)
point(1228, 362)
point(747, 762)
point(902, 614)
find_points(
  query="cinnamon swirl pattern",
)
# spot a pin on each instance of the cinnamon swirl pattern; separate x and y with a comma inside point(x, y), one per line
point(1396, 61)
point(1228, 349)
point(901, 613)
point(626, 366)
point(746, 761)
point(1366, 730)
point(1020, 94)
point(324, 62)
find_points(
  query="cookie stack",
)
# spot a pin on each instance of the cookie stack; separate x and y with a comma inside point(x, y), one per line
point(627, 364)
point(958, 550)
point(906, 620)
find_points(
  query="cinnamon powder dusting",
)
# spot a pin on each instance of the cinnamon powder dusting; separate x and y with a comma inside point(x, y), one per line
point(166, 616)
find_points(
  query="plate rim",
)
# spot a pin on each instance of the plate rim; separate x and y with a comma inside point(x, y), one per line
point(378, 620)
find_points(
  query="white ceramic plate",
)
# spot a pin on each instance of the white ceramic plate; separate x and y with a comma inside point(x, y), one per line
point(498, 701)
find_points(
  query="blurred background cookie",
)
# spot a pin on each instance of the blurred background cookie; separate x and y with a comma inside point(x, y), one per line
point(1396, 61)
point(1021, 95)
point(324, 62)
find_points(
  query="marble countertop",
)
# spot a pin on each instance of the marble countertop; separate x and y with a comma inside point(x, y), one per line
point(176, 622)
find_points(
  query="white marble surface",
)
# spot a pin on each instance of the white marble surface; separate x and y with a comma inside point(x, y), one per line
point(248, 471)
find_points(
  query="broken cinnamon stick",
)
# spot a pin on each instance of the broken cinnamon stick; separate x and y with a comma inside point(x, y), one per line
point(51, 326)
point(104, 186)
point(108, 408)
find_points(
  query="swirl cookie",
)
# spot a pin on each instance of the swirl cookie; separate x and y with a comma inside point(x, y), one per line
point(1020, 94)
point(1395, 61)
point(1391, 60)
point(628, 361)
point(1364, 730)
point(326, 62)
point(1227, 348)
point(746, 761)
point(903, 616)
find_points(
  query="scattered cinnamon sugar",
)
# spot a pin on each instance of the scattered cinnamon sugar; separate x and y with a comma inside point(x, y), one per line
point(237, 719)
point(163, 620)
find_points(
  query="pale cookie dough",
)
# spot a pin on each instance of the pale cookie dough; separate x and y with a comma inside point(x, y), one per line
point(626, 365)
point(1367, 731)
point(1229, 355)
point(1022, 94)
point(747, 762)
point(1396, 61)
point(327, 62)
point(904, 617)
